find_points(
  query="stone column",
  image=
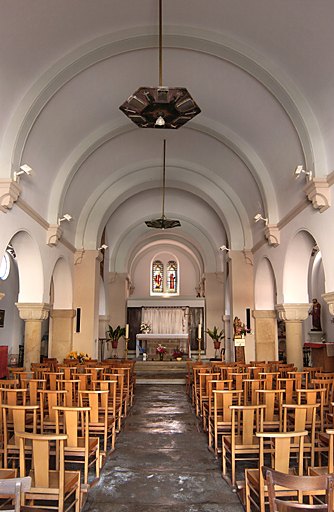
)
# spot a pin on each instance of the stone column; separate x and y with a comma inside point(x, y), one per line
point(33, 315)
point(293, 316)
point(265, 335)
point(118, 291)
point(214, 295)
point(86, 297)
point(61, 332)
point(241, 272)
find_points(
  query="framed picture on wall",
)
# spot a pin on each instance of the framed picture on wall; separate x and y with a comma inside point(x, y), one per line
point(2, 317)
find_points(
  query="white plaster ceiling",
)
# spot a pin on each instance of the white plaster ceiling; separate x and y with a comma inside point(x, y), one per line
point(259, 70)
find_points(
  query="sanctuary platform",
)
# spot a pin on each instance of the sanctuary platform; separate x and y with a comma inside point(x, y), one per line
point(161, 372)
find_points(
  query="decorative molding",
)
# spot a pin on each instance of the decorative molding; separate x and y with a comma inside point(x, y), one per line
point(329, 299)
point(272, 234)
point(62, 313)
point(2, 295)
point(318, 192)
point(293, 312)
point(33, 311)
point(248, 255)
point(10, 191)
point(264, 313)
point(53, 235)
point(330, 179)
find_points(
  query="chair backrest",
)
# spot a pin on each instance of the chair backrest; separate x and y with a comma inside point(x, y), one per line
point(97, 401)
point(304, 485)
point(246, 421)
point(14, 487)
point(73, 420)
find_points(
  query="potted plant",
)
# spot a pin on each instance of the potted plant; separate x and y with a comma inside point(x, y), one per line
point(115, 334)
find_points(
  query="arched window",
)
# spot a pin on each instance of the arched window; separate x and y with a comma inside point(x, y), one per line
point(157, 277)
point(172, 277)
point(4, 267)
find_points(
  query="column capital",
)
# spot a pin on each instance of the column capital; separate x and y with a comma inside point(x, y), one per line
point(329, 299)
point(87, 254)
point(33, 311)
point(1, 295)
point(272, 234)
point(318, 192)
point(264, 313)
point(293, 312)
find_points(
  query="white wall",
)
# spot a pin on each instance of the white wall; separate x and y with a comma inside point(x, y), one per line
point(141, 278)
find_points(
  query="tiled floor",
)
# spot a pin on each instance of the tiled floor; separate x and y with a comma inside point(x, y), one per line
point(161, 462)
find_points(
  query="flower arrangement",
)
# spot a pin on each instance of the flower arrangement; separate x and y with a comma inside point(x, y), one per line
point(177, 353)
point(161, 349)
point(78, 356)
point(145, 327)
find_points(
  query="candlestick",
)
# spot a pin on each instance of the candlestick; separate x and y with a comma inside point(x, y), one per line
point(126, 347)
point(199, 331)
point(127, 331)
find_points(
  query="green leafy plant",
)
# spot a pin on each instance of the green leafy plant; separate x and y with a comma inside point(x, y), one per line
point(215, 334)
point(115, 334)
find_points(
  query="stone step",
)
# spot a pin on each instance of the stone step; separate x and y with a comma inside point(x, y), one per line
point(161, 372)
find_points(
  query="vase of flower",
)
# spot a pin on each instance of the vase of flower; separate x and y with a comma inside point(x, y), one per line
point(161, 356)
point(161, 350)
point(145, 328)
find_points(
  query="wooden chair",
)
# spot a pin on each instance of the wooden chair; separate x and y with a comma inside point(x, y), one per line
point(221, 421)
point(278, 446)
point(99, 421)
point(242, 444)
point(71, 387)
point(13, 488)
point(16, 418)
point(78, 449)
point(208, 406)
point(301, 417)
point(48, 401)
point(273, 413)
point(305, 486)
point(60, 487)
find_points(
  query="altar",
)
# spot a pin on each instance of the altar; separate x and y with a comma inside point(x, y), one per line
point(149, 342)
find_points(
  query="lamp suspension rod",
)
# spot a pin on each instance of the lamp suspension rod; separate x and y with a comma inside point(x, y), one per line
point(160, 43)
point(163, 180)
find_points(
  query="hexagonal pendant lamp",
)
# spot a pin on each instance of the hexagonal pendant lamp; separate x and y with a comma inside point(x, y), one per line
point(160, 107)
point(163, 222)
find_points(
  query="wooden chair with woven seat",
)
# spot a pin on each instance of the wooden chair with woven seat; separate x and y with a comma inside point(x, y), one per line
point(306, 487)
point(16, 418)
point(60, 487)
point(279, 447)
point(12, 489)
point(78, 449)
point(99, 421)
point(242, 444)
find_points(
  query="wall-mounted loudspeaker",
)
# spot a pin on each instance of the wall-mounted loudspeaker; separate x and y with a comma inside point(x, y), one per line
point(248, 319)
point(78, 320)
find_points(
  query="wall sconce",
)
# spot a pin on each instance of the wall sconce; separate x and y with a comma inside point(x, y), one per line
point(258, 217)
point(299, 170)
point(66, 217)
point(224, 248)
point(24, 169)
point(103, 247)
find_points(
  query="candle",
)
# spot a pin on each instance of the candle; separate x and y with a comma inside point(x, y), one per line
point(199, 331)
point(127, 330)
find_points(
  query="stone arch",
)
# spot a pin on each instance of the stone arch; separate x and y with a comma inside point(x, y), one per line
point(62, 285)
point(265, 286)
point(30, 268)
point(296, 268)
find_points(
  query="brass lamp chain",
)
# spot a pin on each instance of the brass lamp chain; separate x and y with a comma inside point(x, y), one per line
point(164, 180)
point(160, 43)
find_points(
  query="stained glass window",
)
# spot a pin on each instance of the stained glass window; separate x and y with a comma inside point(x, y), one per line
point(172, 277)
point(157, 277)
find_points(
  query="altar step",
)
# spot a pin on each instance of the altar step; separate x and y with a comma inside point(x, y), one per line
point(161, 372)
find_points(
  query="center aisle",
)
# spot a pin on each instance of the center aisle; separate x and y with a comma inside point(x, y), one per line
point(161, 461)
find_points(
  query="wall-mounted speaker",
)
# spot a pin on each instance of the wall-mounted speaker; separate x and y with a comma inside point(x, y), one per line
point(248, 319)
point(78, 320)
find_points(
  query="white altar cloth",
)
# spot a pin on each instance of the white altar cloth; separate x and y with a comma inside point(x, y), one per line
point(142, 337)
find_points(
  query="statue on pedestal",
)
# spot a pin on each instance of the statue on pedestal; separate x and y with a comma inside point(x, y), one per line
point(316, 315)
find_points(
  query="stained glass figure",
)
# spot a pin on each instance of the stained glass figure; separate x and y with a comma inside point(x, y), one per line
point(157, 277)
point(172, 277)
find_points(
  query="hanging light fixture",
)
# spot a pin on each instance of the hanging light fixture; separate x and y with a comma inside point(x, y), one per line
point(163, 222)
point(160, 107)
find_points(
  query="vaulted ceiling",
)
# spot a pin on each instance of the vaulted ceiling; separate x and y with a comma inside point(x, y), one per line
point(260, 71)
